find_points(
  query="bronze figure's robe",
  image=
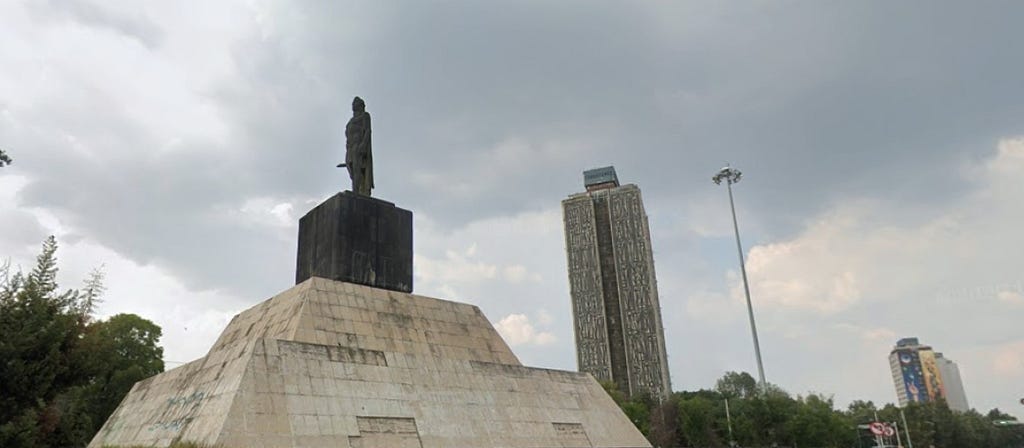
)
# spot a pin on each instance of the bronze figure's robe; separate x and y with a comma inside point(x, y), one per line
point(358, 150)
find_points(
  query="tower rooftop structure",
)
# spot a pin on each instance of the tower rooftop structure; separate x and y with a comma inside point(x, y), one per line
point(908, 342)
point(600, 178)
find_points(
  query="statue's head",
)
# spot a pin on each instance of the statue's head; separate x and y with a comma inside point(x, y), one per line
point(358, 105)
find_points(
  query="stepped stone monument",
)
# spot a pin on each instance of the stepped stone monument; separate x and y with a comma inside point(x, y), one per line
point(350, 358)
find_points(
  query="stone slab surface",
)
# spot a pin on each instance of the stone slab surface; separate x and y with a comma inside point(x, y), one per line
point(335, 364)
point(357, 239)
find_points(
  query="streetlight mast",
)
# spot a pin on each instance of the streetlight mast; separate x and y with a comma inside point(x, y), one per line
point(730, 176)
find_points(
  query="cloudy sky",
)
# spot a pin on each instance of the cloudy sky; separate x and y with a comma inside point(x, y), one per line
point(882, 146)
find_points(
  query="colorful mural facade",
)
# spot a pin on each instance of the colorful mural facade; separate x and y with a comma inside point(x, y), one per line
point(913, 376)
point(932, 378)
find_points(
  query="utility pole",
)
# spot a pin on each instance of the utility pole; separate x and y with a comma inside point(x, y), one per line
point(899, 442)
point(728, 419)
point(730, 176)
point(906, 429)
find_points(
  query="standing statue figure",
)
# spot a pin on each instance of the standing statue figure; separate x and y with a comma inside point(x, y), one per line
point(358, 151)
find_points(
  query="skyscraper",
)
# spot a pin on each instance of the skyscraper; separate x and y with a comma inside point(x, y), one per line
point(921, 375)
point(955, 395)
point(616, 315)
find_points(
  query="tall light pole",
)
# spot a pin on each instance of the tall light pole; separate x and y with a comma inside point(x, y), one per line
point(730, 176)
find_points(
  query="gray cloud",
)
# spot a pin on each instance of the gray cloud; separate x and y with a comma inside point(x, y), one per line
point(132, 25)
point(21, 236)
point(194, 152)
point(656, 92)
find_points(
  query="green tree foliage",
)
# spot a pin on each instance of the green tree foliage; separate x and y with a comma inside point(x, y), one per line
point(63, 373)
point(861, 411)
point(815, 422)
point(38, 332)
point(121, 351)
point(4, 159)
point(637, 410)
point(775, 418)
point(997, 415)
point(701, 418)
point(737, 385)
point(665, 423)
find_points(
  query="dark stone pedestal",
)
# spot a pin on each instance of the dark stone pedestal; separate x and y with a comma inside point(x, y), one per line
point(357, 239)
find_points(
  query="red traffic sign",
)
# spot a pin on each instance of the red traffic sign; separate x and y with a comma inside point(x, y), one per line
point(889, 431)
point(877, 428)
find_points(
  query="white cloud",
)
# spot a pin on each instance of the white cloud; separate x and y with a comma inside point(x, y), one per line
point(517, 330)
point(544, 317)
point(264, 211)
point(1011, 297)
point(517, 273)
point(715, 307)
point(869, 271)
point(1008, 360)
point(793, 285)
point(454, 269)
point(870, 334)
point(872, 251)
point(514, 154)
point(483, 257)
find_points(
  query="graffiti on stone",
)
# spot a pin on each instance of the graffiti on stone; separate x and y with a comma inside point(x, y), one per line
point(194, 399)
point(171, 425)
point(173, 418)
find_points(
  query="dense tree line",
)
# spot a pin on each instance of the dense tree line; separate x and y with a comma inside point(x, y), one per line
point(775, 418)
point(62, 372)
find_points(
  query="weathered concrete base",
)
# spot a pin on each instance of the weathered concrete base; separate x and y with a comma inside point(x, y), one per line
point(332, 364)
point(356, 239)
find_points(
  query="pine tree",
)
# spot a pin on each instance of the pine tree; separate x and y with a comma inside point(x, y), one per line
point(62, 373)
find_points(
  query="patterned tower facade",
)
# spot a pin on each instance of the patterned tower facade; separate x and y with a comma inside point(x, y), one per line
point(614, 292)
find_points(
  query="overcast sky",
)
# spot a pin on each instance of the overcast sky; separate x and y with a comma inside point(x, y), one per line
point(882, 145)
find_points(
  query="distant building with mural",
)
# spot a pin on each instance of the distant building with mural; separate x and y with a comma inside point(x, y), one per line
point(921, 375)
point(616, 315)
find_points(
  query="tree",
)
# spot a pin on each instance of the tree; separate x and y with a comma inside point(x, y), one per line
point(664, 422)
point(39, 329)
point(700, 419)
point(816, 423)
point(997, 415)
point(4, 159)
point(771, 417)
point(121, 351)
point(62, 373)
point(737, 385)
point(636, 409)
point(768, 415)
point(860, 411)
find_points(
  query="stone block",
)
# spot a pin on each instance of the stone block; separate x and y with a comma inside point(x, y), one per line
point(357, 239)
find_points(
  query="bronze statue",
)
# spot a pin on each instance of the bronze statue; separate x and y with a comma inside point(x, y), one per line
point(358, 151)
